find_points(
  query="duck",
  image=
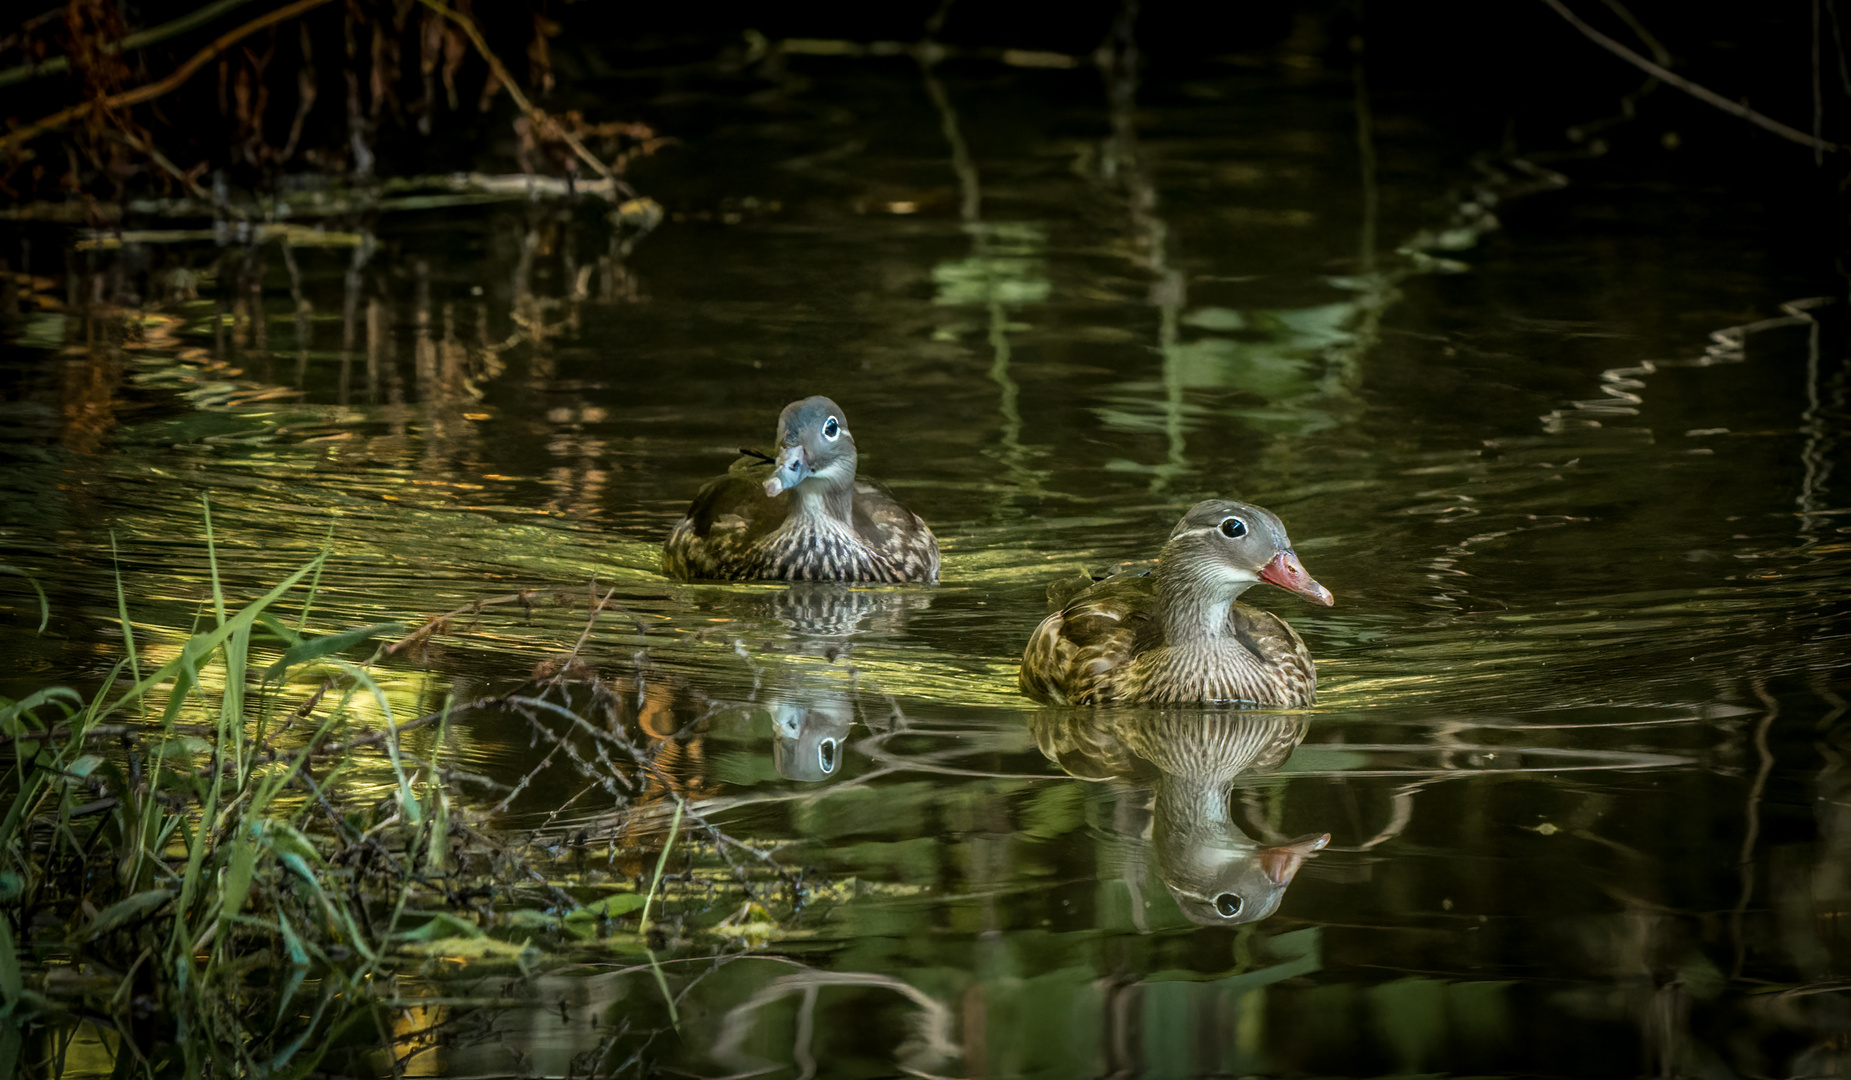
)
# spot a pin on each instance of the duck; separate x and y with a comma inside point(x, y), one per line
point(1179, 817)
point(801, 514)
point(1177, 634)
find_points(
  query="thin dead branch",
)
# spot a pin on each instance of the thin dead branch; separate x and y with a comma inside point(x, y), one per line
point(150, 91)
point(543, 123)
point(1699, 92)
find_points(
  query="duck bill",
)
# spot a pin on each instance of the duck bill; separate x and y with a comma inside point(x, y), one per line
point(1286, 572)
point(1281, 863)
point(791, 468)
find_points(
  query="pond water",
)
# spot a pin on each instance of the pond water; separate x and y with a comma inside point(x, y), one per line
point(1576, 483)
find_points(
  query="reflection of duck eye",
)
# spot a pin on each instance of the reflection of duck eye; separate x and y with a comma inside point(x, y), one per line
point(1228, 905)
point(1233, 528)
point(826, 755)
point(831, 428)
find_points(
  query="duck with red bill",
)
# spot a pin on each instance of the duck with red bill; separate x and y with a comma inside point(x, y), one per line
point(1179, 635)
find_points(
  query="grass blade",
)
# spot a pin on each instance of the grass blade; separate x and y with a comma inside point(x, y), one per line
point(212, 558)
point(122, 608)
point(44, 605)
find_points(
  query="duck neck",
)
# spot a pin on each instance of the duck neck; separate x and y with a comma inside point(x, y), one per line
point(1195, 606)
point(824, 497)
point(1190, 805)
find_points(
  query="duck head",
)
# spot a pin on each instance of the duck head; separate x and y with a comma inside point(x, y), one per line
point(1227, 880)
point(813, 444)
point(1221, 548)
point(808, 738)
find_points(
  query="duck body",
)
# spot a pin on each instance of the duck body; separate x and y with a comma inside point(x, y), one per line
point(802, 516)
point(1178, 634)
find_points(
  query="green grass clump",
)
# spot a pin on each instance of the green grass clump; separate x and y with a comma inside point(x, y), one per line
point(158, 877)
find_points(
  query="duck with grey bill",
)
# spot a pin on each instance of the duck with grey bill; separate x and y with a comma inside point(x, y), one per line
point(801, 514)
point(1178, 634)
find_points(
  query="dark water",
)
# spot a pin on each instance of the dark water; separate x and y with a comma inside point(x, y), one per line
point(1577, 484)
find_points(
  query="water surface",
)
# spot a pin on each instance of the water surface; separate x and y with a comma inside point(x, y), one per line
point(1574, 482)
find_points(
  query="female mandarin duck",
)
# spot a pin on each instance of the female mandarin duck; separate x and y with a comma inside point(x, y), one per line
point(1176, 635)
point(801, 516)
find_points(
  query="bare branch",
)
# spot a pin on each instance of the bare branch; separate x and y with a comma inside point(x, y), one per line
point(1701, 93)
point(153, 90)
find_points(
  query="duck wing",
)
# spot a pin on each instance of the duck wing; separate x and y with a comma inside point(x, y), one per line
point(1075, 655)
point(1284, 663)
point(730, 514)
point(893, 532)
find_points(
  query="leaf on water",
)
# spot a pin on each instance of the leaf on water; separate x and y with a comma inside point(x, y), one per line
point(182, 746)
point(83, 766)
point(754, 935)
point(610, 907)
point(315, 648)
point(467, 948)
point(125, 912)
point(441, 926)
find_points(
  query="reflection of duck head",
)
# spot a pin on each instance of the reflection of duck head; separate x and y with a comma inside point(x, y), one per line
point(809, 734)
point(1217, 874)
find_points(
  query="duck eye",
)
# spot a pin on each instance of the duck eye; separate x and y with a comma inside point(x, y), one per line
point(1228, 905)
point(1233, 528)
point(826, 755)
point(831, 428)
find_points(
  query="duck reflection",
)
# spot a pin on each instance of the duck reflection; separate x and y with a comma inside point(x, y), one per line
point(1188, 759)
point(818, 610)
point(809, 733)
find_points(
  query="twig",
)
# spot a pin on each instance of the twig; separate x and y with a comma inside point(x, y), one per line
point(1699, 92)
point(537, 115)
point(181, 25)
point(376, 737)
point(152, 90)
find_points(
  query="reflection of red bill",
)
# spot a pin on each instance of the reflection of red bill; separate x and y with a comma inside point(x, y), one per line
point(1286, 572)
point(1282, 862)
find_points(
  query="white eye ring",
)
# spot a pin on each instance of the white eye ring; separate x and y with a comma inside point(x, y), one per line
point(831, 428)
point(1233, 528)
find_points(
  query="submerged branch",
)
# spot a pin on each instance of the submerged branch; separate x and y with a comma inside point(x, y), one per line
point(1699, 92)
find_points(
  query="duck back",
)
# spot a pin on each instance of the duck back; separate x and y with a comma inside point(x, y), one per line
point(1106, 646)
point(733, 531)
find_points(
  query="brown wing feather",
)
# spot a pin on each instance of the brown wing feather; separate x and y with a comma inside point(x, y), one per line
point(730, 514)
point(720, 538)
point(1084, 653)
point(1281, 650)
point(1073, 653)
point(889, 528)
